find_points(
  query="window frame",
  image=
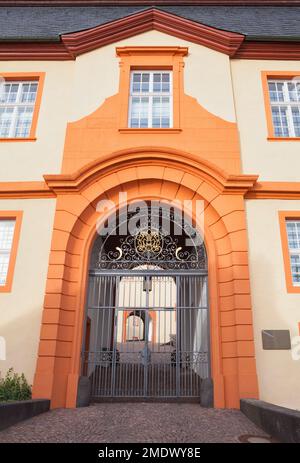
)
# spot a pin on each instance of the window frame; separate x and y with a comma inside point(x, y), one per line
point(276, 76)
point(151, 95)
point(285, 216)
point(151, 58)
point(17, 216)
point(27, 77)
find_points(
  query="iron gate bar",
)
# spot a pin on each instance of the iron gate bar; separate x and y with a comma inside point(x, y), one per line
point(114, 366)
point(165, 273)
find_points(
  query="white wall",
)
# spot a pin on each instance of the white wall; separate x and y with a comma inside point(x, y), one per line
point(21, 309)
point(206, 75)
point(273, 307)
point(74, 89)
point(271, 160)
point(30, 160)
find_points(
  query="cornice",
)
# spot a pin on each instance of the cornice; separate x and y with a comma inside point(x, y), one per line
point(274, 190)
point(72, 45)
point(269, 50)
point(222, 41)
point(26, 190)
point(54, 185)
point(129, 51)
point(149, 156)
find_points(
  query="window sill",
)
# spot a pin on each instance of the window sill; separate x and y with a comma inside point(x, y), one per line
point(18, 139)
point(283, 138)
point(293, 289)
point(5, 289)
point(129, 130)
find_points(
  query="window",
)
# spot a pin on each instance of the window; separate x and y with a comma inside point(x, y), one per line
point(150, 103)
point(7, 227)
point(285, 107)
point(293, 237)
point(17, 104)
point(289, 222)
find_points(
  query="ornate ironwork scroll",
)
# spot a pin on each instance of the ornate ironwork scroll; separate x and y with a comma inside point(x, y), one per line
point(152, 245)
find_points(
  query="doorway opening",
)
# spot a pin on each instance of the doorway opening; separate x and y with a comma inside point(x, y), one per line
point(147, 313)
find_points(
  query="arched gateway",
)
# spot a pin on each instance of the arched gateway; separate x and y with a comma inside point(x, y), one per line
point(147, 331)
point(148, 174)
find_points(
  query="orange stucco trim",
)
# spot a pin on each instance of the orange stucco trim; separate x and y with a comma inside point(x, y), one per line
point(202, 162)
point(246, 184)
point(283, 217)
point(17, 215)
point(148, 177)
point(274, 190)
point(170, 58)
point(40, 78)
point(197, 131)
point(27, 190)
point(265, 75)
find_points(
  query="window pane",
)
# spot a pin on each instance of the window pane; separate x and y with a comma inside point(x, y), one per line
point(296, 120)
point(6, 118)
point(295, 268)
point(148, 108)
point(28, 93)
point(280, 121)
point(23, 121)
point(276, 91)
point(139, 112)
point(166, 82)
point(6, 237)
point(161, 82)
point(294, 91)
point(161, 112)
point(140, 82)
point(9, 93)
point(157, 82)
point(285, 117)
point(4, 261)
point(293, 234)
point(145, 82)
point(17, 101)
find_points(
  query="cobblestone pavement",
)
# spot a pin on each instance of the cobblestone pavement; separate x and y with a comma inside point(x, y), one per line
point(133, 422)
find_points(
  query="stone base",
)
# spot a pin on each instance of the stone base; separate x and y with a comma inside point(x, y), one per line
point(83, 392)
point(281, 423)
point(13, 412)
point(207, 393)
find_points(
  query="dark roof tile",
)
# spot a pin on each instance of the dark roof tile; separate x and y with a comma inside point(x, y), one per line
point(48, 23)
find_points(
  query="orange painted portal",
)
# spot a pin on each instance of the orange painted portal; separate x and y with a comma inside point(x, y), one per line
point(147, 174)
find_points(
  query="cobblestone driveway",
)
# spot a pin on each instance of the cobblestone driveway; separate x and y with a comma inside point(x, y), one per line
point(133, 422)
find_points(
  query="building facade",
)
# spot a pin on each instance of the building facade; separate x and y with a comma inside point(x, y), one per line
point(186, 103)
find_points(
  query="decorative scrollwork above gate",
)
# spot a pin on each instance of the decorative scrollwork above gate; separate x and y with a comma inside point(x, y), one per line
point(152, 245)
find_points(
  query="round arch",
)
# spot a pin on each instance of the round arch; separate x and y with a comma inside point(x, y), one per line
point(233, 362)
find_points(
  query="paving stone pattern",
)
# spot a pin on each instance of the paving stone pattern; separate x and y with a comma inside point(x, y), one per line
point(134, 422)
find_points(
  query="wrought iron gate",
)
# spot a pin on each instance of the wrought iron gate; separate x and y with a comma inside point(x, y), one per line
point(146, 333)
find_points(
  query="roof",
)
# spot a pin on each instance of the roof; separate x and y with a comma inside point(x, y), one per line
point(48, 23)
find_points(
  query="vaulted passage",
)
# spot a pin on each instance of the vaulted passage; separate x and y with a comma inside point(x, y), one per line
point(146, 325)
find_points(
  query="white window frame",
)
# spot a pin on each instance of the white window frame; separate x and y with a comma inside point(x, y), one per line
point(18, 104)
point(7, 251)
point(286, 103)
point(293, 251)
point(151, 95)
